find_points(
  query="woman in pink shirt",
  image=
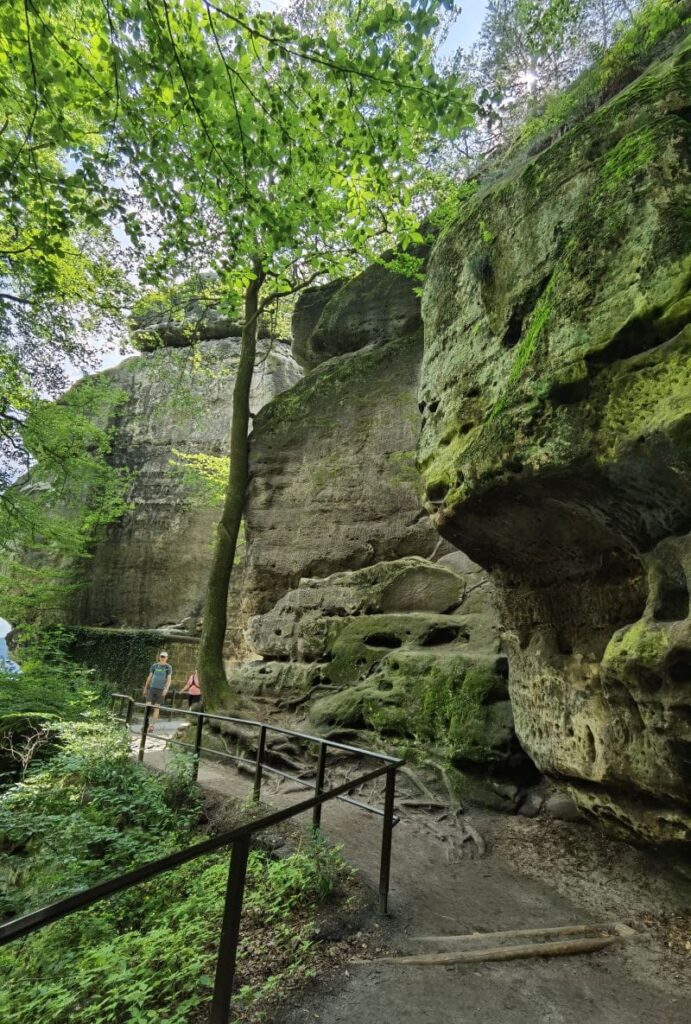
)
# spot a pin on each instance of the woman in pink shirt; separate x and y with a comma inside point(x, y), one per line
point(193, 690)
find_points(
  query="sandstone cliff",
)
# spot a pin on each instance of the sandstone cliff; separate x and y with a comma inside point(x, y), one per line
point(556, 441)
point(151, 569)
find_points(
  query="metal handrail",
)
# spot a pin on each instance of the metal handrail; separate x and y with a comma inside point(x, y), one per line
point(265, 725)
point(259, 764)
point(239, 839)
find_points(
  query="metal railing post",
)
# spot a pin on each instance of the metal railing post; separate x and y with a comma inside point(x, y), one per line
point(230, 930)
point(145, 729)
point(387, 830)
point(319, 785)
point(130, 710)
point(197, 746)
point(261, 750)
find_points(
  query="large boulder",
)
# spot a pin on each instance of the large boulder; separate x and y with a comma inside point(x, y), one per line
point(556, 440)
point(372, 308)
point(308, 308)
point(333, 479)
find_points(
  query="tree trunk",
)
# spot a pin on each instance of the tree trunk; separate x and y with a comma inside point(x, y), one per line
point(211, 669)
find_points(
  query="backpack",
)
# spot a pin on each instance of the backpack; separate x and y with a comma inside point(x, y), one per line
point(159, 676)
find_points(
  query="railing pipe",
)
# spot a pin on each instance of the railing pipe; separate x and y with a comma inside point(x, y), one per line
point(319, 785)
point(230, 933)
point(387, 831)
point(261, 750)
point(331, 744)
point(145, 730)
point(36, 919)
point(197, 747)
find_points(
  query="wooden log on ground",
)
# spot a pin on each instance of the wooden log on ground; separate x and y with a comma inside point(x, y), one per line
point(568, 947)
point(531, 933)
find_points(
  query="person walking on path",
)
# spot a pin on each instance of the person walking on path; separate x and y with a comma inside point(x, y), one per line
point(157, 685)
point(193, 690)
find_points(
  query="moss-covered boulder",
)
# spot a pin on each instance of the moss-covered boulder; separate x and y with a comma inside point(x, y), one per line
point(408, 649)
point(372, 308)
point(451, 704)
point(556, 435)
point(306, 620)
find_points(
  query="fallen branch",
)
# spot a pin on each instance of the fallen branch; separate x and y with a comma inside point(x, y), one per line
point(431, 805)
point(522, 952)
point(530, 933)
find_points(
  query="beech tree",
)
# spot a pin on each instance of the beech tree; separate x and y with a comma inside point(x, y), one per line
point(295, 155)
point(216, 137)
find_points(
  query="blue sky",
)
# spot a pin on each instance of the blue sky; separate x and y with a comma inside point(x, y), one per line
point(467, 26)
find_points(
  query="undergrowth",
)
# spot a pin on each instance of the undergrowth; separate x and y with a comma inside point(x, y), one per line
point(145, 956)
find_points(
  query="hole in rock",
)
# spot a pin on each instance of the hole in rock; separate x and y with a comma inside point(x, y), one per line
point(519, 316)
point(647, 679)
point(440, 635)
point(590, 743)
point(466, 428)
point(437, 491)
point(433, 406)
point(672, 601)
point(568, 392)
point(679, 665)
point(422, 406)
point(382, 640)
point(640, 334)
point(473, 393)
point(393, 665)
point(513, 332)
point(277, 632)
point(385, 685)
point(682, 750)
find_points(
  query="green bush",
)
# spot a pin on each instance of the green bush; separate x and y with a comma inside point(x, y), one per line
point(146, 956)
point(49, 690)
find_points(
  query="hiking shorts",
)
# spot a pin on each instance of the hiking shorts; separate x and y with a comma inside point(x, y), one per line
point(154, 696)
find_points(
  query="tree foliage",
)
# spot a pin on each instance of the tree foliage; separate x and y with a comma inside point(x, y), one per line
point(211, 137)
point(529, 50)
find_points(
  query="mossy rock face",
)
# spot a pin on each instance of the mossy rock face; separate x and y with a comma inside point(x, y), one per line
point(452, 704)
point(261, 678)
point(373, 308)
point(434, 678)
point(122, 657)
point(333, 483)
point(306, 621)
point(151, 568)
point(556, 434)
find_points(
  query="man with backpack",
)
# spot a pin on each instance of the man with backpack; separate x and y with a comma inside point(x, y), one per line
point(157, 685)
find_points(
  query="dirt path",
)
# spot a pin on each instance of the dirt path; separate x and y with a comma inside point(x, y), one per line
point(535, 874)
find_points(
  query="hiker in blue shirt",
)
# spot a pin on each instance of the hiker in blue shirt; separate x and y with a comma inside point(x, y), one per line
point(157, 685)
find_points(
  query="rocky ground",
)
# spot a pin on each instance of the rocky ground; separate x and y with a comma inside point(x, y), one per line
point(533, 873)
